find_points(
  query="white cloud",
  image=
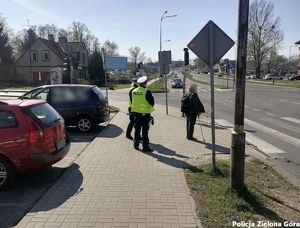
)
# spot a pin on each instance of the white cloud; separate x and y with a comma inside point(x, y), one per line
point(36, 9)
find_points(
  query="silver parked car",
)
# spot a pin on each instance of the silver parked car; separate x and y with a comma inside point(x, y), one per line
point(273, 76)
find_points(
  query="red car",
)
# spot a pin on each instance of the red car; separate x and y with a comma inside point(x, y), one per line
point(32, 136)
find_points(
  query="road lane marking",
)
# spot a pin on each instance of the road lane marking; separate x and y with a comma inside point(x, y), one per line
point(229, 101)
point(247, 106)
point(291, 119)
point(283, 100)
point(274, 133)
point(254, 109)
point(283, 124)
point(295, 102)
point(270, 114)
point(254, 140)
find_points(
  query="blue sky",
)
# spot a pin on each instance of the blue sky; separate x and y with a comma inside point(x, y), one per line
point(136, 23)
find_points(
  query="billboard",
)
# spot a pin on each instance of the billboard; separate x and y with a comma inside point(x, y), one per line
point(116, 63)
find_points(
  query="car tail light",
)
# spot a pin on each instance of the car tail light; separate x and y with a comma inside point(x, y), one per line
point(36, 134)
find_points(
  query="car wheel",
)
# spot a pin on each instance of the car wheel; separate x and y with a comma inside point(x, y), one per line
point(7, 173)
point(84, 123)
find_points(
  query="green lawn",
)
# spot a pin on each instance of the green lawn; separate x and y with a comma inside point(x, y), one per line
point(158, 86)
point(288, 83)
point(190, 77)
point(267, 196)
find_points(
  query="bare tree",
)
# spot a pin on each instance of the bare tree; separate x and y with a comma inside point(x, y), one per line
point(264, 35)
point(110, 48)
point(45, 30)
point(79, 32)
point(135, 56)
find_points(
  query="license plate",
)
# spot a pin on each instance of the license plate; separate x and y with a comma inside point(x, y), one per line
point(60, 144)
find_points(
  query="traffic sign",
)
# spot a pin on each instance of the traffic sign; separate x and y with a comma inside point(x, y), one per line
point(200, 44)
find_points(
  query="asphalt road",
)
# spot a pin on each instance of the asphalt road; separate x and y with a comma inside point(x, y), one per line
point(272, 118)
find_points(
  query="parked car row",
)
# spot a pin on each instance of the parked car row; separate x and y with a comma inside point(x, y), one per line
point(32, 128)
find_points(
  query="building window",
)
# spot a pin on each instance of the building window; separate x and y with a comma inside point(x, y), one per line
point(33, 56)
point(46, 56)
point(83, 58)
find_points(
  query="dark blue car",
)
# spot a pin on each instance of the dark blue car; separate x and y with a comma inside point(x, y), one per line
point(84, 106)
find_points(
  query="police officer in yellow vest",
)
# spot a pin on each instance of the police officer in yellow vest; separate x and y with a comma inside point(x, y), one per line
point(142, 107)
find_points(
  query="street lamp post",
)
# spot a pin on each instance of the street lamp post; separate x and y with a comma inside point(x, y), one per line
point(164, 41)
point(160, 49)
point(161, 20)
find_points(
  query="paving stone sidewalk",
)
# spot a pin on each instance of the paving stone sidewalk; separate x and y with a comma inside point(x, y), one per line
point(112, 185)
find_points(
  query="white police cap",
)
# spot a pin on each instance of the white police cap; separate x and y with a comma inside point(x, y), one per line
point(142, 79)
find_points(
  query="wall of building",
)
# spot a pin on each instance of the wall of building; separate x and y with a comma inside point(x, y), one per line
point(27, 70)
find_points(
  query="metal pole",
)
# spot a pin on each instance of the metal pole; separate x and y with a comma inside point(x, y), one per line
point(104, 68)
point(289, 65)
point(166, 88)
point(211, 63)
point(237, 166)
point(160, 33)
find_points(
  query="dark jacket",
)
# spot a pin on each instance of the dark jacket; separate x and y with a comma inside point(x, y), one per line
point(196, 105)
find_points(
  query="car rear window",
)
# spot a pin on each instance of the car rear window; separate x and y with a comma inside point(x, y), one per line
point(44, 115)
point(7, 119)
point(99, 93)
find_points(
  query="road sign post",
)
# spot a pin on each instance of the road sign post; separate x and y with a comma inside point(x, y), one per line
point(212, 92)
point(237, 166)
point(210, 45)
point(164, 58)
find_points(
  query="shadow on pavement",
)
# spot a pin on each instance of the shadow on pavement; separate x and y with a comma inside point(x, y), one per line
point(111, 131)
point(62, 190)
point(218, 148)
point(78, 136)
point(166, 151)
point(171, 160)
point(16, 201)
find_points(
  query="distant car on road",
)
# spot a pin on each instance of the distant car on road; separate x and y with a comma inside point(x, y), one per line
point(176, 83)
point(271, 76)
point(294, 77)
point(174, 77)
point(84, 106)
point(251, 76)
point(32, 136)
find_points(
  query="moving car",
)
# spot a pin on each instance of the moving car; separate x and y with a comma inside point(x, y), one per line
point(84, 106)
point(32, 136)
point(177, 83)
point(271, 76)
point(294, 77)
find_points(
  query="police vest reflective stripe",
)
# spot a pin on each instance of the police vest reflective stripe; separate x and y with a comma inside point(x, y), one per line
point(139, 102)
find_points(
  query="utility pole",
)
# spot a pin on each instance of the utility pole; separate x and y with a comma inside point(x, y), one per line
point(237, 166)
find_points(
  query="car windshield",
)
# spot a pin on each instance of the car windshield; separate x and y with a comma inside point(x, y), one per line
point(177, 80)
point(44, 114)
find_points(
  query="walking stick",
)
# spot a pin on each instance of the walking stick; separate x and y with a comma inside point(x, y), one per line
point(201, 129)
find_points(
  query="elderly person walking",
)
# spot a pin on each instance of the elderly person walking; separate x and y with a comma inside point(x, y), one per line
point(193, 107)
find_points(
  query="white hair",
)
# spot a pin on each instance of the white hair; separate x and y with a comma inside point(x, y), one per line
point(193, 88)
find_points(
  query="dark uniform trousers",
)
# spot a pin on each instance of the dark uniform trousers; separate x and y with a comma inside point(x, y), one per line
point(190, 123)
point(141, 123)
point(130, 124)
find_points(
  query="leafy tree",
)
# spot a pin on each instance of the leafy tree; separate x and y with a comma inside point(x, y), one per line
point(6, 51)
point(264, 33)
point(96, 71)
point(110, 48)
point(135, 56)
